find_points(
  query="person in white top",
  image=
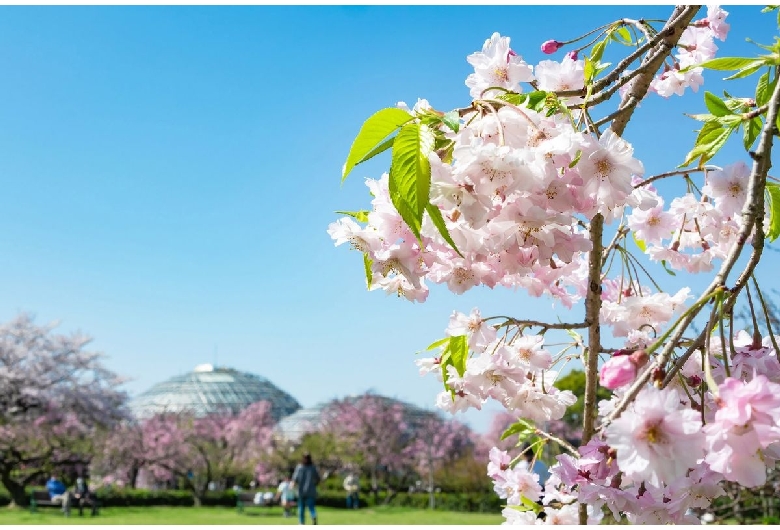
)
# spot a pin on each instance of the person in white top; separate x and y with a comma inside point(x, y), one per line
point(352, 485)
point(286, 495)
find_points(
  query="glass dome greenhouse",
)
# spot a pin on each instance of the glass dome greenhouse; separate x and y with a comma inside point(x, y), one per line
point(208, 389)
point(310, 419)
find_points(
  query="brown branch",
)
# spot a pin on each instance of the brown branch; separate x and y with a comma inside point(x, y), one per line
point(671, 34)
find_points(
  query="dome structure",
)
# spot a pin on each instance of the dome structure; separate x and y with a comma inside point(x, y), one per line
point(207, 389)
point(294, 426)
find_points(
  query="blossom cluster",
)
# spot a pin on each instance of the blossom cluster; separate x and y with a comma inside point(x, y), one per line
point(696, 46)
point(515, 373)
point(693, 232)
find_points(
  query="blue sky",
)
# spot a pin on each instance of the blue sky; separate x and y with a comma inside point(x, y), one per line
point(169, 173)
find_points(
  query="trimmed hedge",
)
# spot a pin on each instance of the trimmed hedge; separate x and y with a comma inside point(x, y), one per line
point(463, 502)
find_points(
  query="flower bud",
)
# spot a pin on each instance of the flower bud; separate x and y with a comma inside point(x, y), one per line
point(572, 55)
point(639, 358)
point(617, 371)
point(659, 374)
point(694, 381)
point(551, 46)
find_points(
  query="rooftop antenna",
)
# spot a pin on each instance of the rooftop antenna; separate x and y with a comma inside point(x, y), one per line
point(215, 355)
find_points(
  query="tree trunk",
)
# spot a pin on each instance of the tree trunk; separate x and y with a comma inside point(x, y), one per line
point(134, 470)
point(15, 490)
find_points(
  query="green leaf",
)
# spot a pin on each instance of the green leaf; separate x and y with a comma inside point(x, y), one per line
point(752, 130)
point(577, 157)
point(667, 269)
point(438, 222)
point(533, 100)
point(367, 267)
point(711, 139)
point(773, 190)
point(715, 105)
point(361, 215)
point(598, 51)
point(375, 129)
point(701, 117)
point(589, 71)
point(726, 63)
point(639, 243)
point(519, 427)
point(458, 348)
point(530, 505)
point(384, 146)
point(747, 70)
point(438, 343)
point(622, 35)
point(410, 173)
point(452, 120)
point(456, 352)
point(764, 89)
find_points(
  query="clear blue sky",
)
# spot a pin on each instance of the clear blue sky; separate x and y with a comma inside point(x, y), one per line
point(169, 174)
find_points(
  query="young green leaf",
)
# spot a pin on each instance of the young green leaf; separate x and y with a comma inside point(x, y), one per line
point(711, 139)
point(367, 267)
point(360, 216)
point(622, 35)
point(715, 105)
point(773, 190)
point(381, 148)
point(639, 243)
point(438, 222)
point(375, 129)
point(752, 130)
point(667, 269)
point(438, 343)
point(748, 70)
point(726, 63)
point(410, 173)
point(459, 352)
point(519, 427)
point(598, 51)
point(452, 120)
point(764, 89)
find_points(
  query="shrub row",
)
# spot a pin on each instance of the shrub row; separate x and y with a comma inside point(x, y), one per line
point(471, 502)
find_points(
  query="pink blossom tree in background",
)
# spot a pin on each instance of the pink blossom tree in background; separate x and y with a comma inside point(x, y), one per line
point(534, 185)
point(191, 450)
point(55, 400)
point(375, 431)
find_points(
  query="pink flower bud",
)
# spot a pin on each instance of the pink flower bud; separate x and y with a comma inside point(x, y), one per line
point(639, 358)
point(617, 371)
point(572, 55)
point(551, 46)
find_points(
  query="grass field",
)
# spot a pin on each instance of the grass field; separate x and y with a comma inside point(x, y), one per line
point(253, 515)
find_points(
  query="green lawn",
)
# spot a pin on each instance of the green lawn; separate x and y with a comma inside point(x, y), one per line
point(252, 515)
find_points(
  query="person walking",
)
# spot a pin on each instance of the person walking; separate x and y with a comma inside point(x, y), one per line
point(352, 485)
point(306, 477)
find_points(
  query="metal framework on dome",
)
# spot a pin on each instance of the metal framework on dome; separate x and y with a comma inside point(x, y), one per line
point(208, 389)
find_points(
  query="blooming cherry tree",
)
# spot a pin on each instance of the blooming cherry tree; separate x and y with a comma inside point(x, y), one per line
point(55, 398)
point(534, 185)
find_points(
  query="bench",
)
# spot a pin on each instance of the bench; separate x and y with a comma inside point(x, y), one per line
point(42, 498)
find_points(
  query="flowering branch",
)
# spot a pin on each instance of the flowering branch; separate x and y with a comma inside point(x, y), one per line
point(754, 207)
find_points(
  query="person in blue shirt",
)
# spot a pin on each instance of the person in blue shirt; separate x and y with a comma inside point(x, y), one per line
point(59, 493)
point(306, 477)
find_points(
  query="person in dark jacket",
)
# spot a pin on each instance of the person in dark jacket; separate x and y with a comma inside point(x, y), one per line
point(306, 477)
